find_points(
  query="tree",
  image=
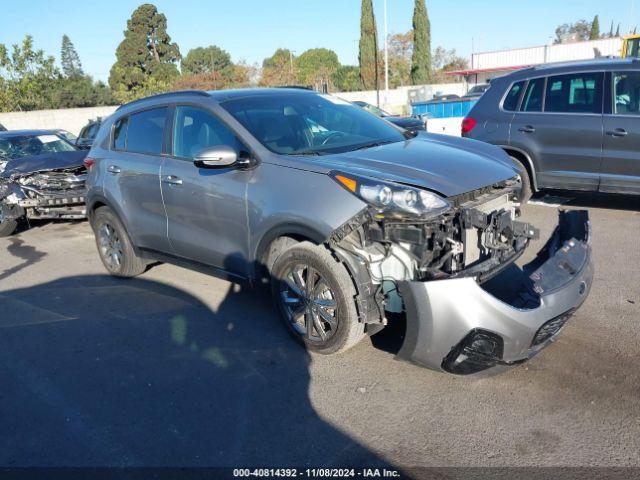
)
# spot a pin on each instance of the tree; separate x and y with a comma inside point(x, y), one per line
point(206, 60)
point(618, 31)
point(421, 57)
point(279, 69)
point(446, 61)
point(146, 58)
point(400, 50)
point(595, 29)
point(347, 79)
point(316, 67)
point(71, 65)
point(27, 77)
point(573, 32)
point(368, 47)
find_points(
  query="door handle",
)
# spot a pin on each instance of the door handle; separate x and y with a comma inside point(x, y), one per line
point(172, 180)
point(114, 169)
point(618, 132)
point(527, 129)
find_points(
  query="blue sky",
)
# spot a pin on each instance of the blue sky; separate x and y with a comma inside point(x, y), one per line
point(253, 29)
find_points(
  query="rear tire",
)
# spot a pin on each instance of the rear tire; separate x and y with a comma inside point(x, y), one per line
point(316, 299)
point(114, 246)
point(527, 186)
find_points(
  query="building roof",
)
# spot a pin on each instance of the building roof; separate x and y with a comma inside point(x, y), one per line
point(599, 62)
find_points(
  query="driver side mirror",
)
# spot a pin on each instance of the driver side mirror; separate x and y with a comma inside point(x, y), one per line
point(220, 156)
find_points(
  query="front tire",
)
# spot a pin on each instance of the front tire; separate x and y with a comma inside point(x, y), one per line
point(7, 227)
point(316, 299)
point(527, 186)
point(114, 246)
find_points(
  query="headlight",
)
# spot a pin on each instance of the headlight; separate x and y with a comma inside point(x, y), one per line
point(393, 198)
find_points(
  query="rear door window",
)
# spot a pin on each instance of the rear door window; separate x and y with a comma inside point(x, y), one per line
point(532, 101)
point(510, 103)
point(574, 93)
point(145, 131)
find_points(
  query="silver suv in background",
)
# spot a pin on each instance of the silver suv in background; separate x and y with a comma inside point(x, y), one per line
point(570, 126)
point(350, 217)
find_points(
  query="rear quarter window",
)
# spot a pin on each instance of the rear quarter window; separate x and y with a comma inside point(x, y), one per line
point(510, 103)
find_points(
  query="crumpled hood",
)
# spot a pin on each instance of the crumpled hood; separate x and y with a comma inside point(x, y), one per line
point(44, 163)
point(447, 165)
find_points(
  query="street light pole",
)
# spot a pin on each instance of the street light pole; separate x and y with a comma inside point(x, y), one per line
point(386, 58)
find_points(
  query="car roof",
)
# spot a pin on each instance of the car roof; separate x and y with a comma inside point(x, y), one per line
point(13, 133)
point(604, 63)
point(219, 95)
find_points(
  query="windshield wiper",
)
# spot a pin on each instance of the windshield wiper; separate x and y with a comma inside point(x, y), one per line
point(305, 153)
point(371, 145)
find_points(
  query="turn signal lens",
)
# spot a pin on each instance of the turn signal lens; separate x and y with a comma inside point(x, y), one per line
point(350, 183)
point(88, 163)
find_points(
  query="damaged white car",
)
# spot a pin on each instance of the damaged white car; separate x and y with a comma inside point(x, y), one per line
point(42, 176)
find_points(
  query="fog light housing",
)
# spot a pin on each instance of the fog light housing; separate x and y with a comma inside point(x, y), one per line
point(478, 351)
point(551, 328)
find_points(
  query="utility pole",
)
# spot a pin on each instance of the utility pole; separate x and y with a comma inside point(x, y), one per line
point(386, 57)
point(290, 66)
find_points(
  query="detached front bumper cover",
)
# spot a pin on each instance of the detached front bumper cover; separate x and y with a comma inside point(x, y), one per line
point(461, 327)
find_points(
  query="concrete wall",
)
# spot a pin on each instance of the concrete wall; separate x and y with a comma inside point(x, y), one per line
point(70, 119)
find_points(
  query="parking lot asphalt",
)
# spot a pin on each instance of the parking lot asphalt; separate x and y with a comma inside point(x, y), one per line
point(179, 368)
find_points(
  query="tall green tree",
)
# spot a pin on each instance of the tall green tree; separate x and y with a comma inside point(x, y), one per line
point(347, 79)
point(69, 58)
point(146, 58)
point(595, 29)
point(27, 77)
point(206, 60)
point(618, 31)
point(421, 58)
point(316, 68)
point(368, 48)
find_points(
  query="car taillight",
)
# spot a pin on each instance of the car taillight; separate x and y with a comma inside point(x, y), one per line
point(89, 162)
point(468, 124)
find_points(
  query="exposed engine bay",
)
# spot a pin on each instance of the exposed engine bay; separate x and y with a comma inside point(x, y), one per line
point(47, 194)
point(478, 237)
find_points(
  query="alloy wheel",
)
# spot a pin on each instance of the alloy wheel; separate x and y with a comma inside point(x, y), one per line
point(309, 303)
point(110, 246)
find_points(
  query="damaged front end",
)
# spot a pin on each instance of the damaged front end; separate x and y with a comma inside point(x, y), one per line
point(48, 194)
point(468, 307)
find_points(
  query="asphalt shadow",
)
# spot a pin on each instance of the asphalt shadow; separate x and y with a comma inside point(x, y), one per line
point(99, 371)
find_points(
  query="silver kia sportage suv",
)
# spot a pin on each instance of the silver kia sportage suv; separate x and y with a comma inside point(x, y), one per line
point(351, 218)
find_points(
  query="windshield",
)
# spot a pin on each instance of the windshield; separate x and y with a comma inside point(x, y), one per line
point(29, 145)
point(306, 124)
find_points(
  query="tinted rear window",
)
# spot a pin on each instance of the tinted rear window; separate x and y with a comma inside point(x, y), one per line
point(511, 100)
point(145, 131)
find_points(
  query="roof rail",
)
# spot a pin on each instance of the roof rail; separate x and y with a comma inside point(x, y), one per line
point(201, 93)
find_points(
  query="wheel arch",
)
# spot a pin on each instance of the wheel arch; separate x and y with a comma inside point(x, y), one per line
point(526, 160)
point(296, 231)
